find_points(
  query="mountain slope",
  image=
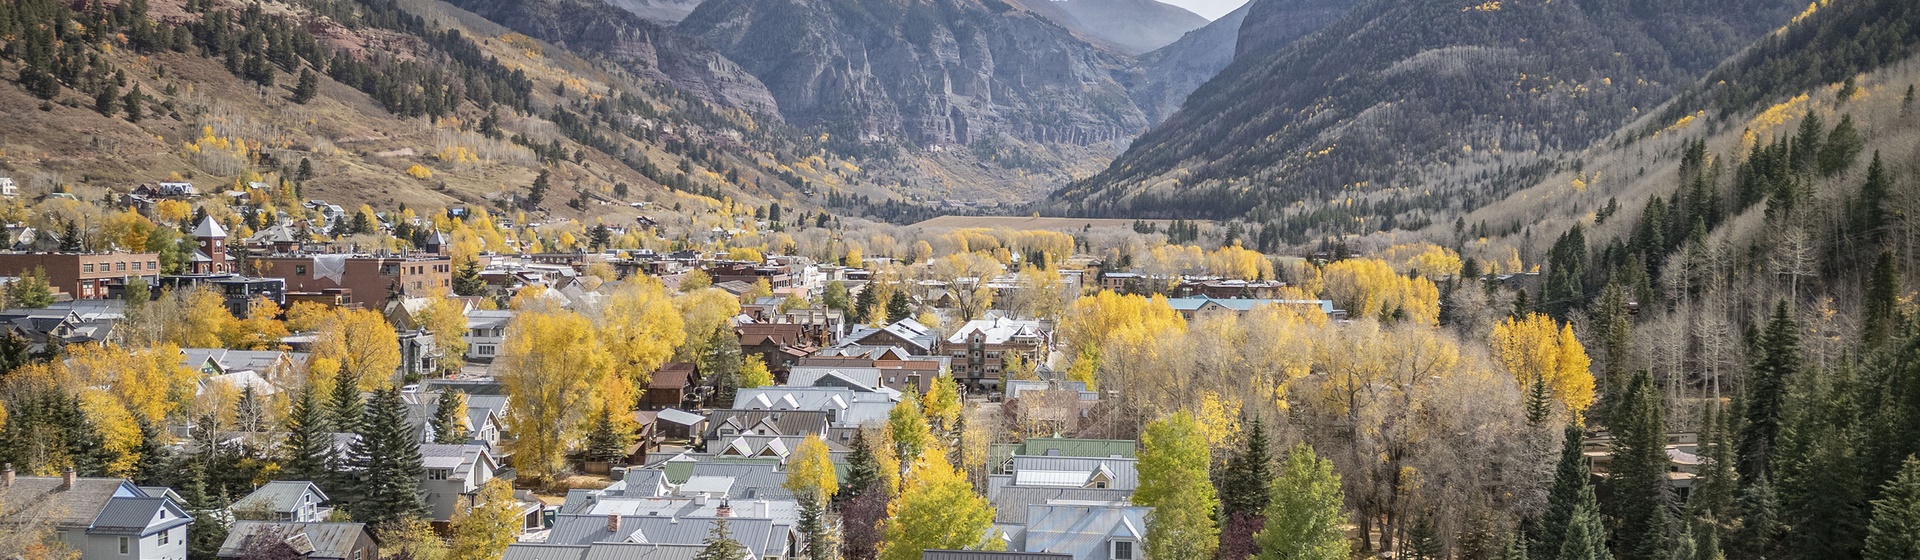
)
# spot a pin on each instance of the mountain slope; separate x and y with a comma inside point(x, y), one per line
point(923, 72)
point(1422, 93)
point(1273, 24)
point(1137, 26)
point(658, 10)
point(594, 28)
point(1164, 77)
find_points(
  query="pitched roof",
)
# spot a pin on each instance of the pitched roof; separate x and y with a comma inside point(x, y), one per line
point(997, 331)
point(1010, 503)
point(933, 554)
point(279, 496)
point(45, 498)
point(603, 551)
point(138, 516)
point(209, 228)
point(756, 534)
point(328, 540)
point(1082, 530)
point(672, 375)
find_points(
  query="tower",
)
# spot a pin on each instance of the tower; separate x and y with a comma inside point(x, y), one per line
point(212, 256)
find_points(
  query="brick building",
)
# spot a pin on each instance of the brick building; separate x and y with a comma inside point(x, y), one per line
point(369, 280)
point(84, 275)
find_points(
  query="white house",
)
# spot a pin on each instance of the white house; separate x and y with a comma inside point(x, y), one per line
point(101, 518)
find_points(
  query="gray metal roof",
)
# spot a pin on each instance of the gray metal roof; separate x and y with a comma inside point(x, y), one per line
point(535, 551)
point(138, 516)
point(931, 554)
point(1081, 530)
point(1125, 477)
point(602, 551)
point(279, 496)
point(329, 540)
point(1010, 503)
point(43, 498)
point(755, 534)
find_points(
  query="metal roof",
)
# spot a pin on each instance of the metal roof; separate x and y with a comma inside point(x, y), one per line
point(329, 540)
point(280, 496)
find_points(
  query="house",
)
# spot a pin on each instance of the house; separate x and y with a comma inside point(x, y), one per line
point(597, 551)
point(454, 475)
point(312, 541)
point(286, 501)
point(934, 554)
point(1026, 471)
point(278, 368)
point(1083, 531)
point(778, 345)
point(1192, 308)
point(679, 424)
point(727, 423)
point(486, 333)
point(101, 518)
point(980, 349)
point(845, 407)
point(761, 537)
point(483, 424)
point(915, 338)
point(673, 385)
point(8, 188)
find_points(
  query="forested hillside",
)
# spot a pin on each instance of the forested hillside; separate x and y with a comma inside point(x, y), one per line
point(1415, 107)
point(378, 102)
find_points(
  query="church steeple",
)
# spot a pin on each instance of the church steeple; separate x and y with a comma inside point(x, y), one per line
point(212, 256)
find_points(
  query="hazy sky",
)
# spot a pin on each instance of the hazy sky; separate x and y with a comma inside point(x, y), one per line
point(1212, 9)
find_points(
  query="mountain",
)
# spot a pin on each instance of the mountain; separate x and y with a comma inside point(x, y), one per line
point(923, 72)
point(374, 102)
point(658, 10)
point(1136, 26)
point(1273, 24)
point(595, 28)
point(1402, 102)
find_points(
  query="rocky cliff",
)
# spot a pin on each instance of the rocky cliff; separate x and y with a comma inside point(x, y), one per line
point(924, 72)
point(1163, 78)
point(593, 28)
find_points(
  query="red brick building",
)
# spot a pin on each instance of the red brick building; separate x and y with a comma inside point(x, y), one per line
point(84, 275)
point(368, 279)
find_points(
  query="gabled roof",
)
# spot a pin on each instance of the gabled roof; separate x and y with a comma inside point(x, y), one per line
point(138, 517)
point(209, 228)
point(279, 496)
point(326, 540)
point(1082, 530)
point(756, 534)
point(46, 499)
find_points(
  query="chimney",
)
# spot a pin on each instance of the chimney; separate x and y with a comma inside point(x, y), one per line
point(700, 500)
point(68, 478)
point(725, 510)
point(6, 476)
point(762, 509)
point(613, 522)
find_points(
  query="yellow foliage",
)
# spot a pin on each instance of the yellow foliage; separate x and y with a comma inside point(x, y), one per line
point(1371, 288)
point(420, 172)
point(1107, 319)
point(362, 344)
point(119, 432)
point(556, 372)
point(641, 329)
point(1537, 347)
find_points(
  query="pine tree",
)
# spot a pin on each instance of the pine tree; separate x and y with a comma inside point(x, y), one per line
point(1760, 527)
point(209, 527)
point(1870, 218)
point(1637, 495)
point(307, 87)
point(863, 470)
point(1817, 467)
point(1304, 521)
point(1779, 358)
point(862, 304)
point(1615, 326)
point(604, 442)
point(133, 102)
point(467, 281)
point(898, 308)
point(346, 404)
point(1586, 538)
point(1882, 303)
point(387, 458)
point(1894, 533)
point(1244, 493)
point(813, 526)
point(720, 544)
point(1539, 401)
point(1563, 498)
point(1423, 541)
point(308, 450)
point(1841, 148)
point(449, 415)
point(107, 100)
point(1716, 488)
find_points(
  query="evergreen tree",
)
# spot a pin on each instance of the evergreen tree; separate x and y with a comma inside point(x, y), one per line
point(1563, 498)
point(1894, 533)
point(1816, 466)
point(721, 361)
point(1841, 148)
point(107, 100)
point(449, 415)
point(1778, 359)
point(863, 304)
point(1637, 495)
point(307, 87)
point(813, 526)
point(133, 102)
point(604, 441)
point(600, 237)
point(1882, 306)
point(1716, 488)
point(467, 281)
point(1760, 527)
point(347, 405)
point(1423, 541)
point(307, 452)
point(387, 458)
point(209, 528)
point(1539, 401)
point(863, 469)
point(1586, 539)
point(1304, 521)
point(1243, 487)
point(538, 191)
point(899, 308)
point(1870, 216)
point(1614, 324)
point(720, 544)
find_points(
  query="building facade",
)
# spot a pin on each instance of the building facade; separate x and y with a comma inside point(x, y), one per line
point(84, 275)
point(369, 280)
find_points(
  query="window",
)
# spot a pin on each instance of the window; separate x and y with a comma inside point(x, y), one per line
point(124, 545)
point(120, 266)
point(437, 474)
point(153, 265)
point(166, 537)
point(1122, 550)
point(86, 267)
point(299, 269)
point(136, 265)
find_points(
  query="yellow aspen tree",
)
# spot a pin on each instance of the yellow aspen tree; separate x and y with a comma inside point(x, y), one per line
point(554, 369)
point(754, 373)
point(942, 403)
point(488, 528)
point(201, 319)
point(937, 509)
point(641, 328)
point(446, 318)
point(1536, 344)
point(810, 471)
point(119, 432)
point(261, 329)
point(363, 345)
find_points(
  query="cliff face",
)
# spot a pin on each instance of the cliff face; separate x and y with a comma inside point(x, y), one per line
point(923, 72)
point(658, 10)
point(592, 27)
point(1163, 78)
